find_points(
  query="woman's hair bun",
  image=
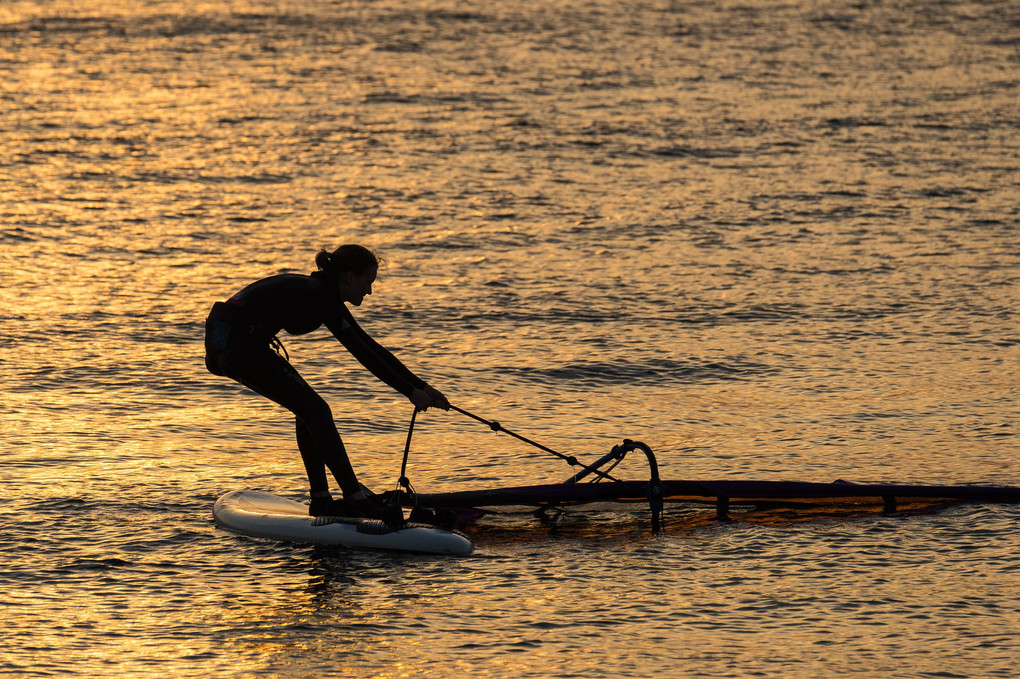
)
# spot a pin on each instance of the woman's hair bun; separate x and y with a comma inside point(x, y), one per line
point(350, 257)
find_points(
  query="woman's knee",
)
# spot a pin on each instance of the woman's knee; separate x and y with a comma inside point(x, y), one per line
point(315, 413)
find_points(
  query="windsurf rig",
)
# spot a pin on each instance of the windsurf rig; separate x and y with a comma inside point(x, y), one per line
point(598, 483)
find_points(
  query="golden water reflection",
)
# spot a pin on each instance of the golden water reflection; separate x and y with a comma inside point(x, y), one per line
point(771, 241)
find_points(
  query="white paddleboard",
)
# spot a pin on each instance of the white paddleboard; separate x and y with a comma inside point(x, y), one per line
point(263, 515)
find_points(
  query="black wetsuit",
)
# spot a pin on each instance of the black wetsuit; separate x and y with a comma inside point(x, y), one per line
point(239, 340)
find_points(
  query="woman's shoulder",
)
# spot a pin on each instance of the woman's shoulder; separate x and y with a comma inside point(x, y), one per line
point(293, 282)
point(272, 287)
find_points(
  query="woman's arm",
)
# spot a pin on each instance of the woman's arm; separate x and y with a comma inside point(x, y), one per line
point(377, 358)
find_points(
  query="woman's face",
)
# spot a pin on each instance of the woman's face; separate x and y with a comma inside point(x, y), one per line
point(354, 286)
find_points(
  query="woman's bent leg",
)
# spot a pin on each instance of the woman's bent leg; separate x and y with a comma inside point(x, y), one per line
point(273, 377)
point(314, 466)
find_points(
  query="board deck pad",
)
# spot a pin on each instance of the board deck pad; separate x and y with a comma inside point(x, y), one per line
point(264, 515)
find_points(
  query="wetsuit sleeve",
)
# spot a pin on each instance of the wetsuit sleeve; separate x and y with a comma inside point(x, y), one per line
point(377, 358)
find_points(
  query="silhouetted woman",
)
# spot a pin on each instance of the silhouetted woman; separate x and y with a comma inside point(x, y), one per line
point(241, 343)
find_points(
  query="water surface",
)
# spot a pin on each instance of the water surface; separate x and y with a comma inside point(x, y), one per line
point(773, 240)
